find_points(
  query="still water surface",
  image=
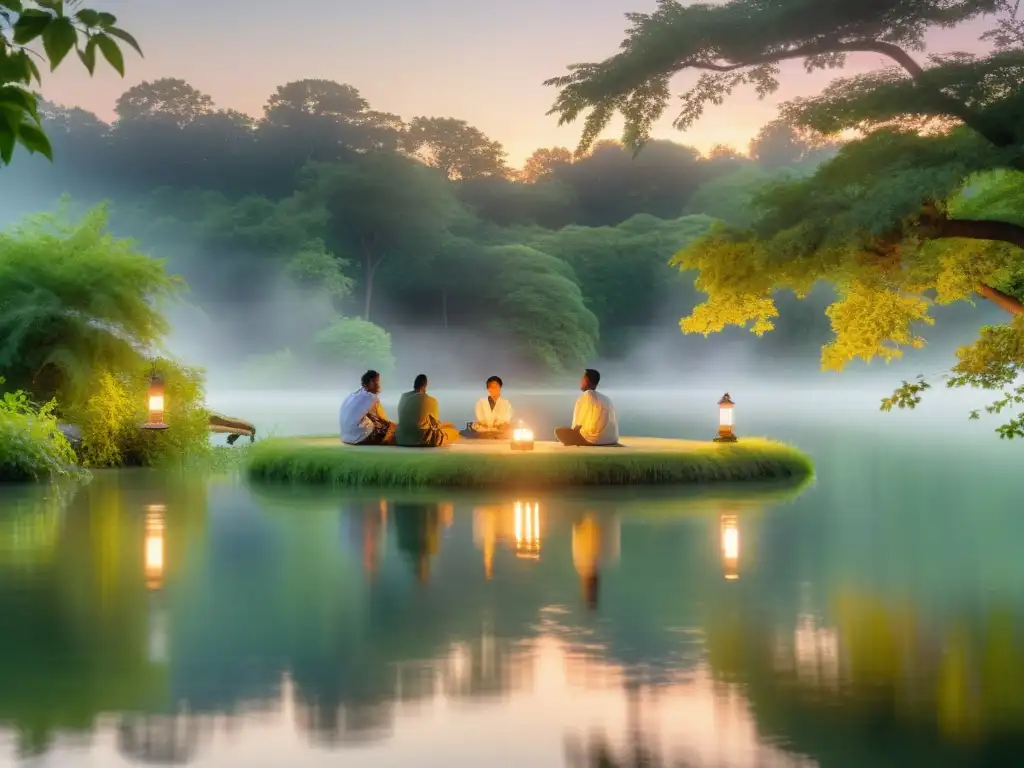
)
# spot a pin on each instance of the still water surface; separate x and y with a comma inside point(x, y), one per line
point(875, 618)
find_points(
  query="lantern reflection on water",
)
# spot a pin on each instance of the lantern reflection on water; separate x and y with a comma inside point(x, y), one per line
point(527, 530)
point(154, 546)
point(730, 536)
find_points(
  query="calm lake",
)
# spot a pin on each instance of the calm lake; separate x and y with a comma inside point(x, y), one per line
point(875, 618)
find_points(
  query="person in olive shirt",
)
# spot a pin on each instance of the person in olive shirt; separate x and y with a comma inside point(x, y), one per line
point(419, 423)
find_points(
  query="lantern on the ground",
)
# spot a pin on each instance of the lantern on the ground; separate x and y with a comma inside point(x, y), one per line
point(730, 547)
point(157, 404)
point(522, 438)
point(725, 420)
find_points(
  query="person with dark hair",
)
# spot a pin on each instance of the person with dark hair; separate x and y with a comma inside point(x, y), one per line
point(362, 419)
point(419, 421)
point(493, 415)
point(594, 422)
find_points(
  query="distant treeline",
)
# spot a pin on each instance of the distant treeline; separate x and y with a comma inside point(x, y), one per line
point(419, 224)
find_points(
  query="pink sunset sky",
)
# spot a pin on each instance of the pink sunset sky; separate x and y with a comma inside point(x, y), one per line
point(478, 60)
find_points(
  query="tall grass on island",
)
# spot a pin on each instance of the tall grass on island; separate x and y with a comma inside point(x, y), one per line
point(325, 461)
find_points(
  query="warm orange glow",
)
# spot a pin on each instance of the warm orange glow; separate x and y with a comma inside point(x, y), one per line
point(154, 546)
point(527, 529)
point(522, 435)
point(731, 546)
point(725, 416)
point(156, 403)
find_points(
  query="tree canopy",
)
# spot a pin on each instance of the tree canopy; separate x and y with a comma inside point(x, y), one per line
point(320, 208)
point(457, 149)
point(905, 216)
point(75, 300)
point(743, 42)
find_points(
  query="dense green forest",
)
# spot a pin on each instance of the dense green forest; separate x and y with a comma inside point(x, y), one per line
point(295, 229)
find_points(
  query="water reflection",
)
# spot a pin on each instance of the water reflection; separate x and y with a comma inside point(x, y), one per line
point(418, 532)
point(189, 614)
point(161, 739)
point(154, 547)
point(517, 525)
point(527, 525)
point(595, 542)
point(730, 546)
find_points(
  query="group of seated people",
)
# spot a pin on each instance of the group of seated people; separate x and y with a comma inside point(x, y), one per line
point(419, 425)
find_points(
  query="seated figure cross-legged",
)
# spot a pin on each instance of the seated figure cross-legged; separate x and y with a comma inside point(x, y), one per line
point(419, 423)
point(493, 415)
point(362, 418)
point(594, 422)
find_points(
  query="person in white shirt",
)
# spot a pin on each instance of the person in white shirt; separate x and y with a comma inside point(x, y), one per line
point(493, 414)
point(594, 422)
point(362, 418)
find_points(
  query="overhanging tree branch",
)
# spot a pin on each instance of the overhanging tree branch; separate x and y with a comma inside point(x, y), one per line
point(894, 52)
point(1003, 300)
point(980, 229)
point(995, 134)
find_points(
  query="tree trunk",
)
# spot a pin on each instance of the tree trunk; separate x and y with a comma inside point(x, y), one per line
point(368, 269)
point(1003, 300)
point(979, 229)
point(370, 264)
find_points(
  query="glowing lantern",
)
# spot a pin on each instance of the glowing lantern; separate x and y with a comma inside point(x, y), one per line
point(522, 438)
point(725, 433)
point(157, 404)
point(731, 547)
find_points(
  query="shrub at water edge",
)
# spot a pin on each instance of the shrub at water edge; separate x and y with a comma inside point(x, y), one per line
point(110, 418)
point(32, 446)
point(80, 309)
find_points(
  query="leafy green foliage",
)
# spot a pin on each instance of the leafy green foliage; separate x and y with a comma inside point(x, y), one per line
point(380, 207)
point(539, 309)
point(352, 344)
point(240, 256)
point(457, 149)
point(315, 269)
point(543, 163)
point(780, 144)
point(731, 196)
point(623, 271)
point(994, 362)
point(111, 414)
point(740, 42)
point(167, 98)
point(79, 312)
point(847, 226)
point(23, 22)
point(75, 300)
point(981, 92)
point(32, 446)
point(894, 221)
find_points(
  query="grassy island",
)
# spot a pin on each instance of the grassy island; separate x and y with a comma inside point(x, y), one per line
point(485, 464)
